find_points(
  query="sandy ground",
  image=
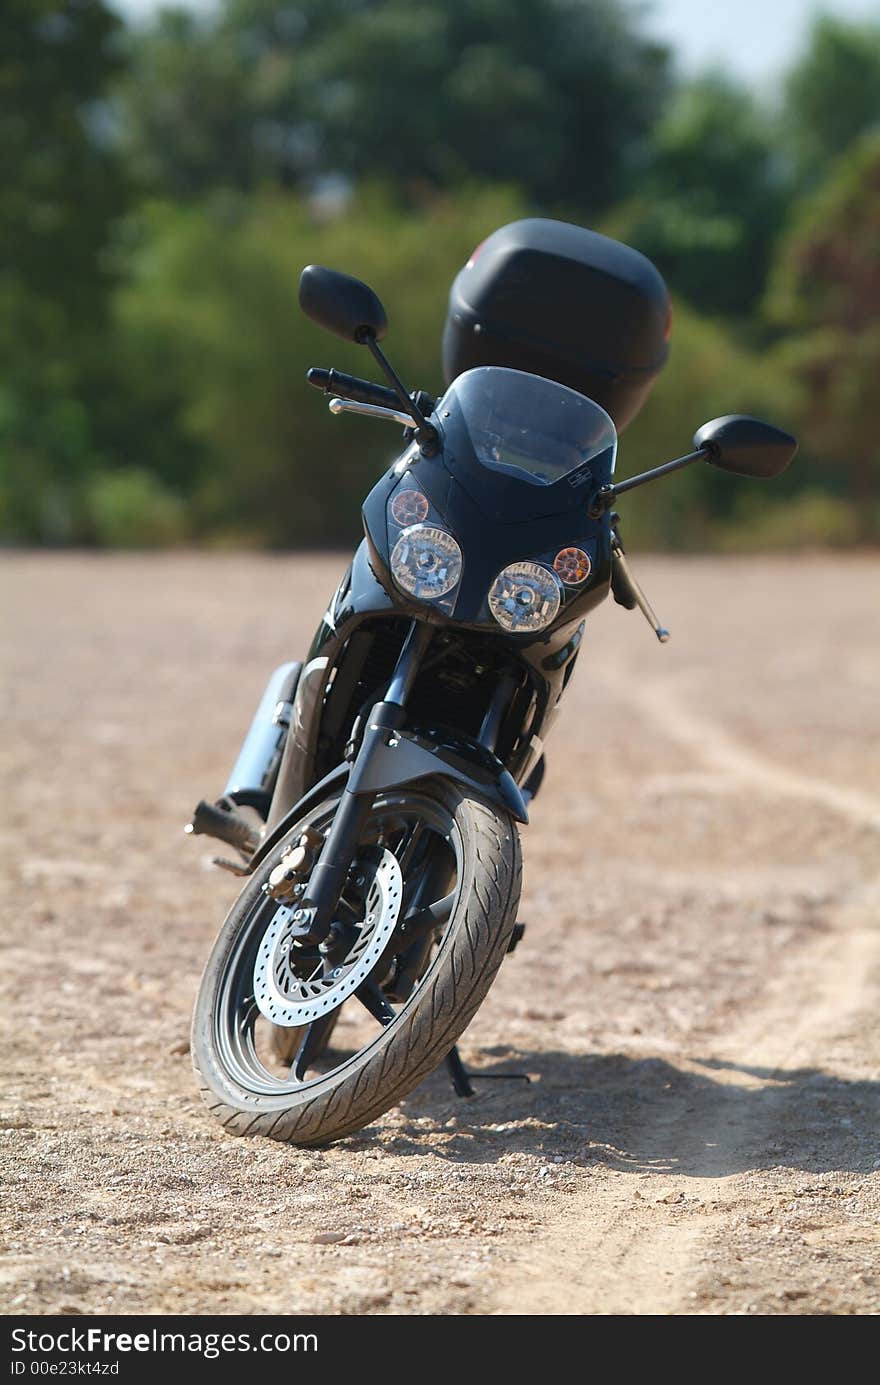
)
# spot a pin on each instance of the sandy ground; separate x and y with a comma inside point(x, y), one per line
point(695, 1000)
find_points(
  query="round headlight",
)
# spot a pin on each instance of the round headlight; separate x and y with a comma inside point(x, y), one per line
point(525, 597)
point(426, 562)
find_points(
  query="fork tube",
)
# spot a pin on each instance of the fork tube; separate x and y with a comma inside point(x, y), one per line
point(338, 851)
point(501, 698)
point(418, 638)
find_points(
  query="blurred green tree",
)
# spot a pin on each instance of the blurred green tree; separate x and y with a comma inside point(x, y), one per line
point(826, 293)
point(61, 189)
point(713, 197)
point(151, 364)
point(189, 105)
point(558, 96)
point(211, 305)
point(709, 373)
point(832, 95)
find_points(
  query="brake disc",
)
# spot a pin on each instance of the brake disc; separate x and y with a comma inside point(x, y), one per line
point(284, 996)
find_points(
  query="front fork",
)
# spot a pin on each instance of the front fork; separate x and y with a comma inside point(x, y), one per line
point(329, 875)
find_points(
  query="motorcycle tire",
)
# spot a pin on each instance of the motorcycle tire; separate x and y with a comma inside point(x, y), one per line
point(482, 858)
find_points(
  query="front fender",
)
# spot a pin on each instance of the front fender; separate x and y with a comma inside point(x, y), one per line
point(401, 757)
point(410, 753)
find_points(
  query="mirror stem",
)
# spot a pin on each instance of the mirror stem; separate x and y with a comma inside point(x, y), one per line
point(656, 471)
point(426, 433)
point(606, 496)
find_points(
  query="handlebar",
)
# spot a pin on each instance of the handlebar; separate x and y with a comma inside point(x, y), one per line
point(344, 386)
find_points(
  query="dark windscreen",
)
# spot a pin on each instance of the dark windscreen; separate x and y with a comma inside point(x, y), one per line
point(527, 427)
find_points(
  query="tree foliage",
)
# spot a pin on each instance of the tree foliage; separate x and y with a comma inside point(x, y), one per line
point(164, 185)
point(214, 300)
point(61, 185)
point(61, 191)
point(833, 92)
point(826, 290)
point(712, 198)
point(558, 96)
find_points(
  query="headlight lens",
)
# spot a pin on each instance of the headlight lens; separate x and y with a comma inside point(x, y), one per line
point(525, 597)
point(426, 562)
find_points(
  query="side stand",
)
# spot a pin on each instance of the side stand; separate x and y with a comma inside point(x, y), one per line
point(462, 1080)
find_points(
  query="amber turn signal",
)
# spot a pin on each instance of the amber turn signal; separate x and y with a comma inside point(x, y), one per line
point(409, 507)
point(572, 566)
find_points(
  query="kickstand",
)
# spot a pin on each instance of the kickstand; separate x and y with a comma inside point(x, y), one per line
point(461, 1078)
point(458, 1073)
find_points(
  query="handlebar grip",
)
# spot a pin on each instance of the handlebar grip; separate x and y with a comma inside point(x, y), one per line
point(351, 387)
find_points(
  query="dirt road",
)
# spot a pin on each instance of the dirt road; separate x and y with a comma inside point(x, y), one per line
point(696, 999)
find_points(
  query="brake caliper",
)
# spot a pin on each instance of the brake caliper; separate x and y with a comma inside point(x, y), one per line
point(295, 865)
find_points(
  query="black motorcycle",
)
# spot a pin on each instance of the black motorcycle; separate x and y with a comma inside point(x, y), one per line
point(376, 802)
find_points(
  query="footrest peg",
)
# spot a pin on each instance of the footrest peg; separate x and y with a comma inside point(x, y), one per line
point(220, 820)
point(232, 866)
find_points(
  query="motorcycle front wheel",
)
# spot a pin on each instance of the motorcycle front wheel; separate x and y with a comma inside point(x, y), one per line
point(396, 994)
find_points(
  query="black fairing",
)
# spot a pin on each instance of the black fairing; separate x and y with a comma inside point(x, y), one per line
point(496, 520)
point(358, 641)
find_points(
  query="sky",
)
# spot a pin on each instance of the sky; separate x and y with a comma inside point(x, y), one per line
point(757, 39)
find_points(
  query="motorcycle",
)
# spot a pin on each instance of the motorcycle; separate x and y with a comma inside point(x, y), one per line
point(376, 803)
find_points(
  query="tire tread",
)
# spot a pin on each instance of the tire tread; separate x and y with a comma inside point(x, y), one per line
point(439, 1013)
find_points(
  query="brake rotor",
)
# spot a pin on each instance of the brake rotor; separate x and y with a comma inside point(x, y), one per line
point(287, 998)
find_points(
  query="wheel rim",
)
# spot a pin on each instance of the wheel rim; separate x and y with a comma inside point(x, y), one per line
point(426, 844)
point(293, 987)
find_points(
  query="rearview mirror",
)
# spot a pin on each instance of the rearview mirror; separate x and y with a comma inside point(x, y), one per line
point(746, 446)
point(341, 304)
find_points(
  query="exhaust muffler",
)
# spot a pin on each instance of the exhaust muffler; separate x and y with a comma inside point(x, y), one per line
point(254, 772)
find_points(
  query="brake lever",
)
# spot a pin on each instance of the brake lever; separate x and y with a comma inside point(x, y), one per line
point(644, 605)
point(351, 406)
